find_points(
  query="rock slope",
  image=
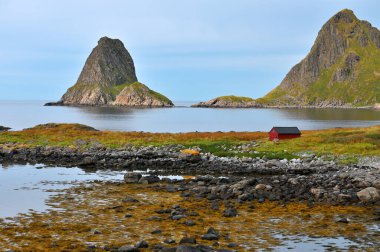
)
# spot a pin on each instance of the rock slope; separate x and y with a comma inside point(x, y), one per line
point(109, 78)
point(342, 68)
point(228, 102)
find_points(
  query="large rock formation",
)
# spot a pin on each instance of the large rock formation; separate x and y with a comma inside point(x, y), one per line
point(342, 68)
point(109, 78)
point(228, 102)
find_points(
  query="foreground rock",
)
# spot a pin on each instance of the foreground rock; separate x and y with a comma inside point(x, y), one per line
point(228, 102)
point(108, 78)
point(310, 179)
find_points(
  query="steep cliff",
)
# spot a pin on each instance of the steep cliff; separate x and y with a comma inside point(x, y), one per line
point(107, 76)
point(341, 69)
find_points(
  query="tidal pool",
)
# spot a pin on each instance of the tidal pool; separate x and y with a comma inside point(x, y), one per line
point(74, 209)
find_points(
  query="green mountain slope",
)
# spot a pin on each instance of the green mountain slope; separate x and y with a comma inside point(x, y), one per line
point(342, 68)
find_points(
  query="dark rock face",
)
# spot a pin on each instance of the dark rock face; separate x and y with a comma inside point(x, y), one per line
point(341, 55)
point(109, 62)
point(108, 71)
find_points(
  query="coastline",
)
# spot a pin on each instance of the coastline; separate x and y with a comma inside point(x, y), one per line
point(230, 190)
point(252, 156)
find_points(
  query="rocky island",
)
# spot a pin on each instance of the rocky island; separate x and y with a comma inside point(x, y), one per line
point(108, 78)
point(228, 102)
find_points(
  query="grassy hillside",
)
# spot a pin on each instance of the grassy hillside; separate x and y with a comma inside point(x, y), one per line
point(361, 83)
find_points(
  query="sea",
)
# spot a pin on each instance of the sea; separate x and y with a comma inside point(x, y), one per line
point(25, 188)
point(182, 118)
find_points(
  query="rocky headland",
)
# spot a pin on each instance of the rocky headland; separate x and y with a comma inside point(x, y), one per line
point(108, 78)
point(341, 69)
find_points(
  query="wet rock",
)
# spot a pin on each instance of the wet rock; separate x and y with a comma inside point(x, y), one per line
point(189, 223)
point(149, 179)
point(129, 199)
point(232, 245)
point(154, 218)
point(184, 248)
point(142, 244)
point(342, 220)
point(169, 241)
point(230, 212)
point(178, 217)
point(132, 177)
point(157, 231)
point(128, 248)
point(95, 231)
point(188, 240)
point(211, 235)
point(369, 194)
point(215, 205)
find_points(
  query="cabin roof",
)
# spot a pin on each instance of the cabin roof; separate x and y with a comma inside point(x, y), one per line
point(287, 130)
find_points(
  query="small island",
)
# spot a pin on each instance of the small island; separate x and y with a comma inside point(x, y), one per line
point(230, 101)
point(108, 78)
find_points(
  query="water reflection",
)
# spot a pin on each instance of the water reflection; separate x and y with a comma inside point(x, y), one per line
point(25, 114)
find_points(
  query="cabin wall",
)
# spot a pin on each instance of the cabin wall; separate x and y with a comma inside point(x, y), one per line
point(288, 136)
point(273, 135)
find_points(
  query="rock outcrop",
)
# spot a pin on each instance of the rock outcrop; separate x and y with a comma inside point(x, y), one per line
point(109, 78)
point(228, 102)
point(342, 68)
point(2, 128)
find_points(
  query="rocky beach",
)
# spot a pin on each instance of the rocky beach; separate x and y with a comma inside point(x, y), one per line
point(212, 195)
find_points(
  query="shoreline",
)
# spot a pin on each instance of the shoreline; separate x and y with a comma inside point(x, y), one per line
point(309, 179)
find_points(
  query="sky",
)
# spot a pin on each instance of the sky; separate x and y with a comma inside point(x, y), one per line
point(188, 50)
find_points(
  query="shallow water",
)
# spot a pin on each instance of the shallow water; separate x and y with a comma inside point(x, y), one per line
point(25, 187)
point(24, 114)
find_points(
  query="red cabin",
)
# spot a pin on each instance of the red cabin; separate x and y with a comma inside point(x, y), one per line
point(278, 133)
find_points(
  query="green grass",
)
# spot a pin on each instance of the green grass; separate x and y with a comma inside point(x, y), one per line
point(233, 98)
point(350, 142)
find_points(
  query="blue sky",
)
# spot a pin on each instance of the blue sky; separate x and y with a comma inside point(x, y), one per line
point(187, 50)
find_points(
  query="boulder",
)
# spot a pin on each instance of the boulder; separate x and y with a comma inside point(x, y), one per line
point(369, 194)
point(132, 177)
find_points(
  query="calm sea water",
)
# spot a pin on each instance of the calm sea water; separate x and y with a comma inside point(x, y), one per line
point(24, 114)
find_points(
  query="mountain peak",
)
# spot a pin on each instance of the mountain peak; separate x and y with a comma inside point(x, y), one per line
point(340, 69)
point(108, 71)
point(344, 16)
point(109, 41)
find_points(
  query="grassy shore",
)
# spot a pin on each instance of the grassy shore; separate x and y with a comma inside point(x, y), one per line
point(349, 142)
